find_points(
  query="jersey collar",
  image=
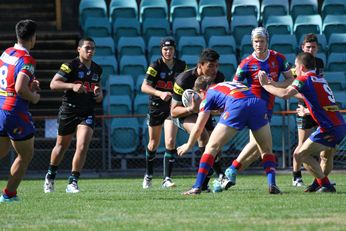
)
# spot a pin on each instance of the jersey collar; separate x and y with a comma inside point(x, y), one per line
point(20, 47)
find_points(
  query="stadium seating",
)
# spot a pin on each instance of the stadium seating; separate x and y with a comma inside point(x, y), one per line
point(109, 67)
point(292, 104)
point(246, 46)
point(153, 9)
point(222, 44)
point(153, 47)
point(334, 24)
point(322, 56)
point(123, 9)
point(130, 46)
point(336, 80)
point(333, 7)
point(97, 27)
point(228, 65)
point(191, 45)
point(120, 85)
point(212, 8)
point(104, 46)
point(242, 25)
point(155, 27)
point(183, 9)
point(133, 65)
point(336, 62)
point(214, 26)
point(124, 135)
point(273, 8)
point(191, 60)
point(91, 8)
point(337, 43)
point(305, 24)
point(279, 104)
point(340, 97)
point(117, 105)
point(140, 104)
point(279, 131)
point(279, 24)
point(246, 7)
point(283, 43)
point(185, 27)
point(290, 57)
point(125, 27)
point(306, 7)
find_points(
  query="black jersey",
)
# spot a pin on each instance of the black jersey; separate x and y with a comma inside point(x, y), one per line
point(186, 80)
point(161, 77)
point(77, 72)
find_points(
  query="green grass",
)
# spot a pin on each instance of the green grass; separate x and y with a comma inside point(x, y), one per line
point(121, 204)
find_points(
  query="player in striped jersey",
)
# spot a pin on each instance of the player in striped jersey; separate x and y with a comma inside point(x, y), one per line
point(18, 88)
point(320, 102)
point(240, 108)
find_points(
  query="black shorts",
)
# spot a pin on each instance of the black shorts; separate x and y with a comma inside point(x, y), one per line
point(158, 113)
point(70, 117)
point(305, 122)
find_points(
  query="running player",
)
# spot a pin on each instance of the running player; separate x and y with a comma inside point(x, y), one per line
point(321, 104)
point(158, 83)
point(79, 79)
point(241, 108)
point(18, 88)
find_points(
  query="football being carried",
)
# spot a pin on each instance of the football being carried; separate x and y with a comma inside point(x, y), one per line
point(187, 97)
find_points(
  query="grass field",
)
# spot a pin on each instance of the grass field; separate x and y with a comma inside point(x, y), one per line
point(121, 204)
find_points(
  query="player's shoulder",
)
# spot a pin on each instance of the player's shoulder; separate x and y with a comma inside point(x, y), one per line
point(180, 63)
point(276, 54)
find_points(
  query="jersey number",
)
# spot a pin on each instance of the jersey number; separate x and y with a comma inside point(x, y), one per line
point(3, 77)
point(329, 92)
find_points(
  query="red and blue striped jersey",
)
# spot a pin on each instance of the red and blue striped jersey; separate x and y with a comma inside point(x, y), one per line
point(218, 95)
point(13, 61)
point(319, 99)
point(273, 65)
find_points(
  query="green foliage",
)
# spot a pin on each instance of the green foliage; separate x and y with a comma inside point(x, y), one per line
point(122, 204)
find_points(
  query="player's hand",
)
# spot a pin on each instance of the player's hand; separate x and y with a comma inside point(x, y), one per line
point(79, 88)
point(36, 97)
point(183, 149)
point(98, 94)
point(195, 103)
point(165, 95)
point(263, 78)
point(35, 85)
point(301, 110)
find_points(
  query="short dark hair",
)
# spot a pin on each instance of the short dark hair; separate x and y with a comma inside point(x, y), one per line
point(310, 38)
point(25, 29)
point(81, 41)
point(202, 83)
point(307, 59)
point(208, 55)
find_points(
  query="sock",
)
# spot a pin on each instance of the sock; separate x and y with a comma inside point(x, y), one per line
point(207, 160)
point(149, 159)
point(7, 194)
point(207, 179)
point(73, 177)
point(323, 182)
point(269, 165)
point(217, 165)
point(52, 170)
point(315, 184)
point(297, 174)
point(168, 162)
point(236, 165)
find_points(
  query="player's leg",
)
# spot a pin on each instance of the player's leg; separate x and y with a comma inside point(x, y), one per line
point(326, 160)
point(5, 144)
point(169, 157)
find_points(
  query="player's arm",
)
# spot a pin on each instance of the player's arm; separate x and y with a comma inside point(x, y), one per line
point(288, 80)
point(177, 108)
point(196, 132)
point(58, 83)
point(147, 88)
point(23, 90)
point(285, 93)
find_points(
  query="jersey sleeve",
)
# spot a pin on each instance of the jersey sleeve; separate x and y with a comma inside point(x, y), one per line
point(152, 73)
point(240, 74)
point(207, 103)
point(65, 70)
point(179, 88)
point(299, 83)
point(28, 66)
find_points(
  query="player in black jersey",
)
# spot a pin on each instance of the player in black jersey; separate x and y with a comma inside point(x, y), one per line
point(185, 117)
point(79, 79)
point(305, 123)
point(158, 84)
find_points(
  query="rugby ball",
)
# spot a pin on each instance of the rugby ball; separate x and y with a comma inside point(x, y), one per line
point(187, 97)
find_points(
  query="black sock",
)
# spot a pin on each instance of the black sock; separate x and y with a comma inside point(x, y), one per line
point(207, 179)
point(217, 167)
point(168, 162)
point(74, 177)
point(52, 170)
point(297, 174)
point(149, 158)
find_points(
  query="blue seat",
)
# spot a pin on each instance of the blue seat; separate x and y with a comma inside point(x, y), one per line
point(214, 26)
point(191, 60)
point(97, 27)
point(282, 24)
point(246, 7)
point(120, 85)
point(322, 42)
point(104, 46)
point(109, 67)
point(91, 8)
point(336, 62)
point(279, 104)
point(228, 65)
point(153, 58)
point(246, 46)
point(292, 104)
point(322, 56)
point(283, 43)
point(185, 27)
point(153, 47)
point(306, 7)
point(123, 9)
point(183, 9)
point(139, 82)
point(191, 45)
point(290, 57)
point(337, 43)
point(125, 27)
point(279, 132)
point(212, 8)
point(305, 24)
point(333, 7)
point(117, 105)
point(153, 9)
point(155, 27)
point(334, 24)
point(242, 25)
point(273, 8)
point(124, 135)
point(340, 99)
point(223, 44)
point(336, 80)
point(133, 65)
point(240, 139)
point(130, 46)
